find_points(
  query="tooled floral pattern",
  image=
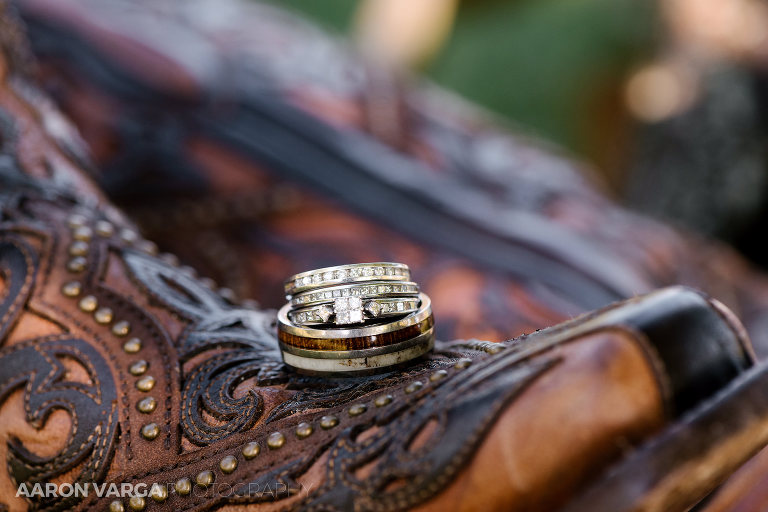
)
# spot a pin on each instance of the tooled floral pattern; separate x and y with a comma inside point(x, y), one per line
point(35, 365)
point(242, 345)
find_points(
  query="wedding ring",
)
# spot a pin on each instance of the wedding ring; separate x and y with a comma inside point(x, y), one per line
point(353, 310)
point(356, 361)
point(353, 318)
point(341, 274)
point(355, 338)
point(371, 290)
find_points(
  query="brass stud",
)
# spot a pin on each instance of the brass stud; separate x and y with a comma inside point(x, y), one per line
point(158, 492)
point(276, 440)
point(327, 422)
point(88, 304)
point(462, 363)
point(116, 506)
point(77, 264)
point(136, 503)
point(303, 430)
point(150, 431)
point(76, 220)
point(251, 450)
point(183, 486)
point(204, 478)
point(82, 233)
point(148, 247)
point(103, 316)
point(147, 405)
point(139, 367)
point(383, 400)
point(132, 346)
point(72, 289)
point(104, 229)
point(414, 386)
point(78, 248)
point(128, 236)
point(145, 383)
point(228, 464)
point(438, 375)
point(121, 328)
point(357, 409)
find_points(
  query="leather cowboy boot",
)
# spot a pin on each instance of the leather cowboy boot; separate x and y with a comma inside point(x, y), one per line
point(119, 367)
point(254, 146)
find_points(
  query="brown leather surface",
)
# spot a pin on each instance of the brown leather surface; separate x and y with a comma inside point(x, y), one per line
point(745, 491)
point(200, 183)
point(572, 422)
point(537, 418)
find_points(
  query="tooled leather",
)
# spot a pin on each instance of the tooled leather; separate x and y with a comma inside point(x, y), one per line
point(243, 347)
point(200, 347)
point(451, 152)
point(218, 344)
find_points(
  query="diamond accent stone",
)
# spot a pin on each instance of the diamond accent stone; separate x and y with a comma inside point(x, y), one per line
point(374, 308)
point(325, 312)
point(328, 276)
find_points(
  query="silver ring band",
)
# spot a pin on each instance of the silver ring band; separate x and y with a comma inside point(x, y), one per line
point(285, 324)
point(351, 361)
point(371, 290)
point(342, 274)
point(356, 311)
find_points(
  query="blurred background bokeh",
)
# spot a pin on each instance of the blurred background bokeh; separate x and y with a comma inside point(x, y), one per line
point(666, 99)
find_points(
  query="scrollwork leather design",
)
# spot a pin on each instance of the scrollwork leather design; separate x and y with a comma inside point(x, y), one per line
point(36, 366)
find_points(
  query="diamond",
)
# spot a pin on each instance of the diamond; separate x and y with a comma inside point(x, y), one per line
point(368, 272)
point(327, 295)
point(337, 293)
point(328, 276)
point(341, 274)
point(378, 271)
point(374, 308)
point(298, 282)
point(317, 279)
point(325, 312)
point(349, 310)
point(307, 281)
point(400, 306)
point(390, 271)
